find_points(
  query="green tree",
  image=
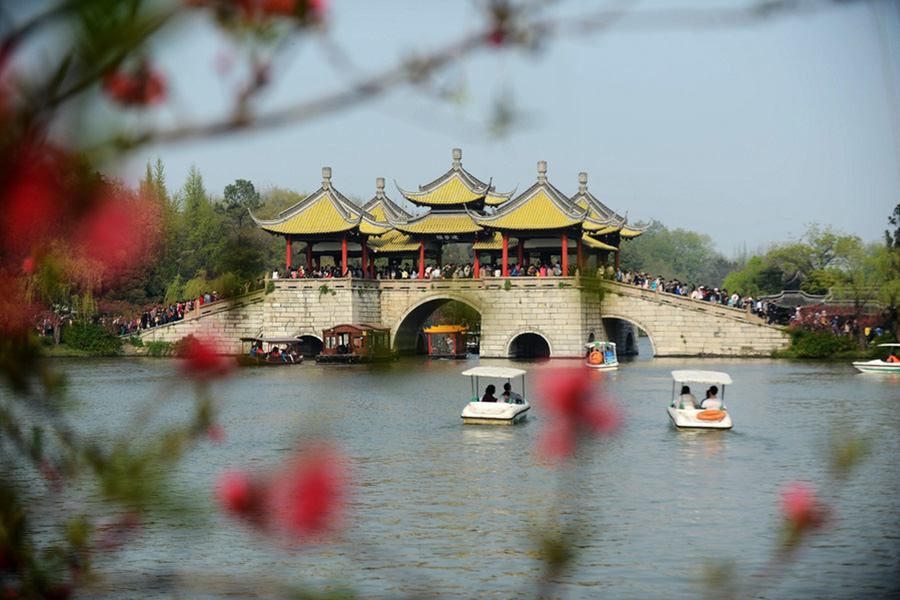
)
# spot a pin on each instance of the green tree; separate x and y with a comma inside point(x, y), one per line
point(757, 278)
point(819, 282)
point(893, 240)
point(675, 254)
point(203, 232)
point(240, 198)
point(817, 250)
point(165, 268)
point(886, 261)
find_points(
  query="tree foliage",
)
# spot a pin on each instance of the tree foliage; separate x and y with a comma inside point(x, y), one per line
point(675, 254)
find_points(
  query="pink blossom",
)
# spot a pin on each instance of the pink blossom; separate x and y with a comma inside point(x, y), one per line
point(202, 362)
point(800, 506)
point(236, 493)
point(578, 409)
point(215, 433)
point(307, 497)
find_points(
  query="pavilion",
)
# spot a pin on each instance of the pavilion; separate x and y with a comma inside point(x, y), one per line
point(457, 207)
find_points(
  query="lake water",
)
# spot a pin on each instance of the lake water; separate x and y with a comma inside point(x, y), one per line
point(442, 509)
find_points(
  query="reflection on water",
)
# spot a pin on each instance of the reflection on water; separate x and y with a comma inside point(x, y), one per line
point(451, 510)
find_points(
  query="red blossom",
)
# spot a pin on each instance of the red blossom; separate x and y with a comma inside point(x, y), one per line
point(236, 494)
point(800, 506)
point(34, 198)
point(142, 87)
point(578, 409)
point(307, 498)
point(29, 264)
point(202, 362)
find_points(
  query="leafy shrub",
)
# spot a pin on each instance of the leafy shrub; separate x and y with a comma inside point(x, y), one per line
point(91, 338)
point(820, 344)
point(136, 341)
point(159, 348)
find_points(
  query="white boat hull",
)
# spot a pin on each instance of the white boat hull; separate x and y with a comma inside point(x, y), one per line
point(877, 366)
point(494, 413)
point(687, 418)
point(603, 367)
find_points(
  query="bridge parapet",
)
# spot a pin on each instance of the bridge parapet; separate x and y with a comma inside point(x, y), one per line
point(680, 326)
point(685, 302)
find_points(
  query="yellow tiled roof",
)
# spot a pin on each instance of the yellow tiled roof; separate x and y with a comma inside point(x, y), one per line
point(369, 228)
point(394, 241)
point(453, 191)
point(318, 218)
point(589, 241)
point(539, 212)
point(600, 230)
point(437, 223)
point(495, 243)
point(627, 232)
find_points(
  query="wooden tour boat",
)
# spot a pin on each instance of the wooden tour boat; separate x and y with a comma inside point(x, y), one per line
point(360, 342)
point(447, 341)
point(269, 352)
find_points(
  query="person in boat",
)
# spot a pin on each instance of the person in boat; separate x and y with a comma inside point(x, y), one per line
point(511, 397)
point(489, 394)
point(711, 402)
point(893, 358)
point(608, 356)
point(686, 399)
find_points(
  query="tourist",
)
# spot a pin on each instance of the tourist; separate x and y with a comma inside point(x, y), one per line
point(711, 402)
point(511, 397)
point(687, 399)
point(489, 394)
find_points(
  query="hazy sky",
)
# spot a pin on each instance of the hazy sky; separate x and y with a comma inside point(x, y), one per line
point(744, 133)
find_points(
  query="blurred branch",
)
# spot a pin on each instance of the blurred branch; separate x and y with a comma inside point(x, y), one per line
point(529, 34)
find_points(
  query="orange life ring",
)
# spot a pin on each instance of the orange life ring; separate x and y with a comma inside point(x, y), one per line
point(595, 357)
point(711, 415)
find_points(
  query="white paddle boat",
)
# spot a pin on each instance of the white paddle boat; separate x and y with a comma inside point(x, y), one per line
point(501, 410)
point(891, 365)
point(683, 411)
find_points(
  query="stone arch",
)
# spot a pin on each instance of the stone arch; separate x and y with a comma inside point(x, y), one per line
point(633, 321)
point(406, 332)
point(511, 339)
point(310, 344)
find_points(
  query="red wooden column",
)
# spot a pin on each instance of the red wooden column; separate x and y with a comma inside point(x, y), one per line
point(288, 261)
point(476, 266)
point(617, 259)
point(364, 258)
point(343, 254)
point(309, 259)
point(521, 253)
point(505, 255)
point(422, 258)
point(565, 255)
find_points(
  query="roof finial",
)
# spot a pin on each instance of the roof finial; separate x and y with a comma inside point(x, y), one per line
point(582, 182)
point(379, 184)
point(457, 157)
point(542, 171)
point(326, 176)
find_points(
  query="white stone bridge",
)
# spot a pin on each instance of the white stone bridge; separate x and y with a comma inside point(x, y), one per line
point(520, 316)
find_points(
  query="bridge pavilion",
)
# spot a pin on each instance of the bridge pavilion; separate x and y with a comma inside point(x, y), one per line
point(460, 208)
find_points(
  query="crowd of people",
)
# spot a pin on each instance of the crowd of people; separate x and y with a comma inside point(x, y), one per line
point(408, 270)
point(763, 308)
